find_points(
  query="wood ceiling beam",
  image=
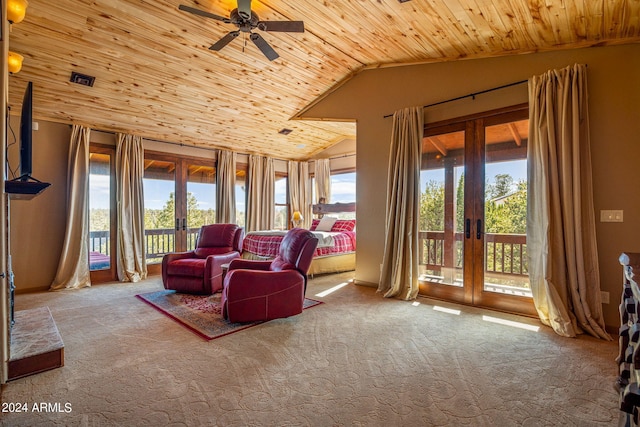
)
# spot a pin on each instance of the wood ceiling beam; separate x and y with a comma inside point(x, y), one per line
point(516, 136)
point(438, 145)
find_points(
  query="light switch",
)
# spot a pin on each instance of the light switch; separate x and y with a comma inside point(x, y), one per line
point(611, 216)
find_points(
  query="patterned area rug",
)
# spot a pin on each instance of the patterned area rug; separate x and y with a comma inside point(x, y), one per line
point(201, 314)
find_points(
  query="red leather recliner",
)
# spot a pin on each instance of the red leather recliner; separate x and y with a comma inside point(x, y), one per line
point(265, 290)
point(199, 271)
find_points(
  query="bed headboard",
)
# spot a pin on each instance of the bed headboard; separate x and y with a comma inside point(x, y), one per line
point(329, 208)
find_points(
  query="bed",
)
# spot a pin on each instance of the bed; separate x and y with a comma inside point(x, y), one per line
point(98, 261)
point(335, 252)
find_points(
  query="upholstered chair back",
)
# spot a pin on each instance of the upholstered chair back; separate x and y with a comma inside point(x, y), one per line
point(296, 251)
point(218, 239)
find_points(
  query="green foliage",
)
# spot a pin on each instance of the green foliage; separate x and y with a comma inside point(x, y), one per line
point(99, 220)
point(507, 215)
point(460, 205)
point(432, 207)
point(159, 218)
point(165, 217)
point(502, 186)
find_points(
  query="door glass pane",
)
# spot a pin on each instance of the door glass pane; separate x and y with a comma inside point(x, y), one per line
point(201, 200)
point(159, 208)
point(442, 209)
point(281, 221)
point(99, 211)
point(241, 197)
point(505, 257)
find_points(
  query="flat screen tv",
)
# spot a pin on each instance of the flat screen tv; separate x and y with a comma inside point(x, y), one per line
point(26, 134)
point(26, 186)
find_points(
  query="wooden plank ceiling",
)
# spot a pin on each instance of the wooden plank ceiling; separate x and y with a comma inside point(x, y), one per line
point(156, 77)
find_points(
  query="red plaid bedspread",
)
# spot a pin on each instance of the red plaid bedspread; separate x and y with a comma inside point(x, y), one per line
point(268, 246)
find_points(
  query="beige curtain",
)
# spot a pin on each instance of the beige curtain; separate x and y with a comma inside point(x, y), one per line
point(73, 267)
point(260, 193)
point(399, 276)
point(131, 261)
point(561, 234)
point(226, 187)
point(300, 190)
point(323, 180)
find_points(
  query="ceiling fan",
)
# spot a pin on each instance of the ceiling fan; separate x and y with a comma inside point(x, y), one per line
point(247, 20)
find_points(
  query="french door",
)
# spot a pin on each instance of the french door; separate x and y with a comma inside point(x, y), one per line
point(179, 195)
point(102, 217)
point(473, 211)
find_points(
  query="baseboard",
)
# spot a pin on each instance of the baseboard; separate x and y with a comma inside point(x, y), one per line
point(363, 283)
point(612, 330)
point(31, 290)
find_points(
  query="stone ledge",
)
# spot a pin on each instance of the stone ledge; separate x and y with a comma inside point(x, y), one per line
point(36, 345)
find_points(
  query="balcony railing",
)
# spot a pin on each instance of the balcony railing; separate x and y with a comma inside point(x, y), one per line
point(504, 255)
point(158, 242)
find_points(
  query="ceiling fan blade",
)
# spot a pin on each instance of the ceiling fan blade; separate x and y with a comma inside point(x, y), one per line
point(203, 13)
point(225, 40)
point(244, 9)
point(264, 46)
point(284, 26)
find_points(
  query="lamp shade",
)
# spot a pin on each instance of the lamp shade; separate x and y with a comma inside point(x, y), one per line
point(297, 216)
point(16, 9)
point(14, 62)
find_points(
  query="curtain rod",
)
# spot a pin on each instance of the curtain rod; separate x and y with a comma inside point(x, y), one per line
point(180, 144)
point(339, 156)
point(342, 156)
point(471, 95)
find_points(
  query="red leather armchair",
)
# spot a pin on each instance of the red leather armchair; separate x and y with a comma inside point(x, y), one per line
point(200, 271)
point(265, 290)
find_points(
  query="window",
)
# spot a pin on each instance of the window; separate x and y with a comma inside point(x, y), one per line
point(241, 196)
point(101, 213)
point(343, 190)
point(473, 203)
point(281, 221)
point(179, 197)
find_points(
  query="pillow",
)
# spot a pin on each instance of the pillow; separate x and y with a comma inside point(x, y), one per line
point(344, 225)
point(314, 224)
point(326, 223)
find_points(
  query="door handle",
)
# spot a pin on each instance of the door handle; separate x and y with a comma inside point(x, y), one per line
point(177, 224)
point(467, 228)
point(184, 224)
point(479, 229)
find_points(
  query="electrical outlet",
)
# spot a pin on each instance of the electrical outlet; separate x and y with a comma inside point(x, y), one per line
point(604, 296)
point(611, 216)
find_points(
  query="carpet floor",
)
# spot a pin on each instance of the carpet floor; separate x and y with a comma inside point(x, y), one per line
point(358, 360)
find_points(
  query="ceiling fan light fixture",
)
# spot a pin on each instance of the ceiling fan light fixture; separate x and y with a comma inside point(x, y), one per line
point(16, 10)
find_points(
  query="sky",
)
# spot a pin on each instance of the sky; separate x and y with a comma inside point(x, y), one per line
point(516, 168)
point(156, 192)
point(343, 187)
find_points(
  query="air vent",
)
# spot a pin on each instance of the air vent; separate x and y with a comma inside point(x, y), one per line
point(82, 79)
point(285, 131)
